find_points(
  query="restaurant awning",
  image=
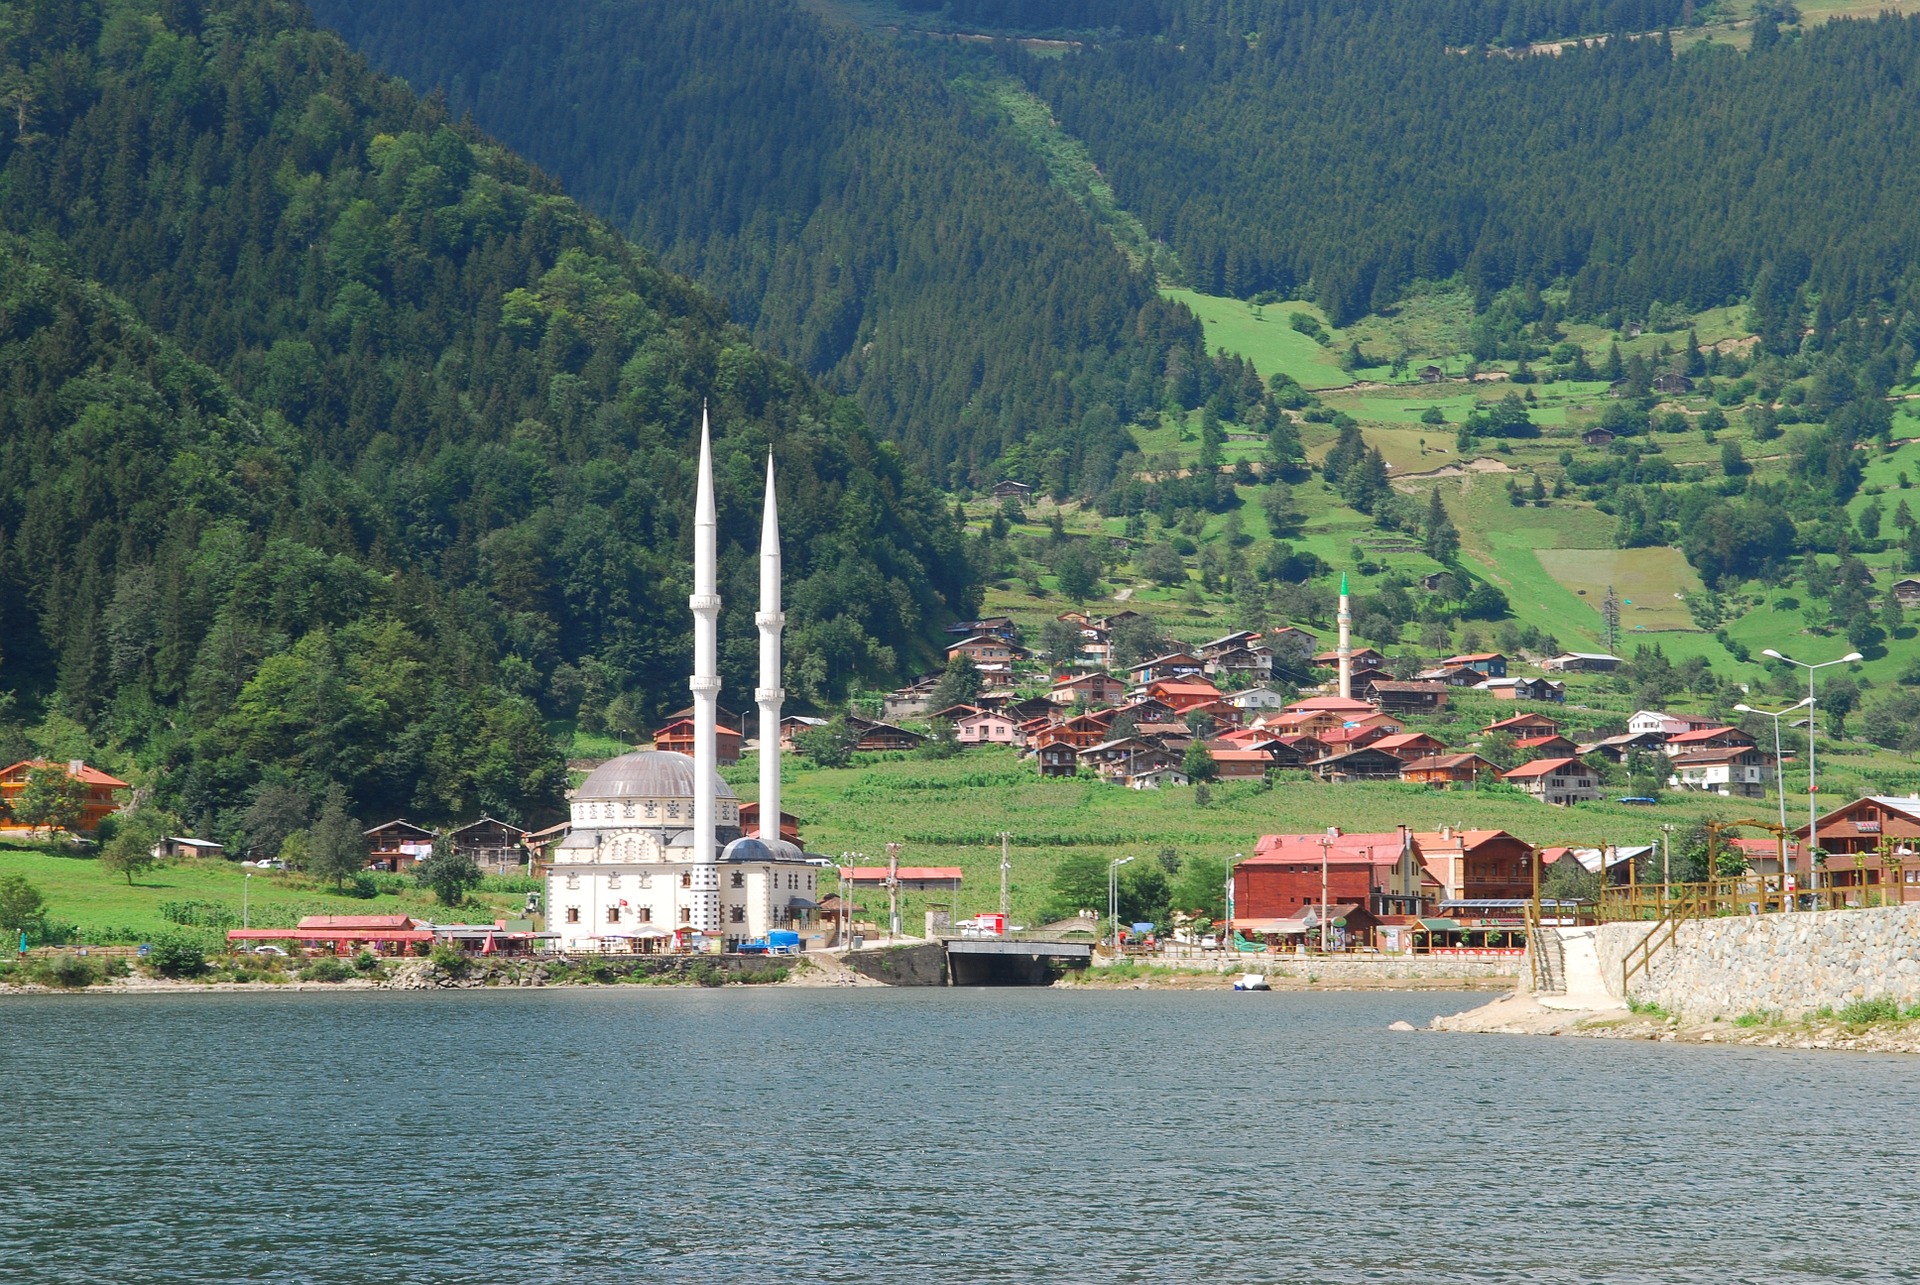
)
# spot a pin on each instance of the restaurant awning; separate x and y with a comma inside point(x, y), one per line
point(1270, 927)
point(1439, 925)
point(329, 934)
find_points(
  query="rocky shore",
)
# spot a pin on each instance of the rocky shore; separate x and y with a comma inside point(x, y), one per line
point(1518, 1014)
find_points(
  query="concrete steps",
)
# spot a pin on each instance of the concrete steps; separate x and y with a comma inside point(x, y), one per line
point(1582, 987)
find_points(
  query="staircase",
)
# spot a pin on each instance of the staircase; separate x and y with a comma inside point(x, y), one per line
point(1548, 956)
point(1581, 986)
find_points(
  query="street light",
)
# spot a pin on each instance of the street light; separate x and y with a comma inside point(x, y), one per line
point(1780, 781)
point(1113, 898)
point(1813, 874)
point(246, 898)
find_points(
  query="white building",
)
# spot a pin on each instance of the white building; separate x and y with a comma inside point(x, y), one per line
point(1735, 771)
point(655, 858)
point(1257, 698)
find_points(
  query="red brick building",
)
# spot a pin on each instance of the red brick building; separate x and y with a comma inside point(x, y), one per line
point(1379, 872)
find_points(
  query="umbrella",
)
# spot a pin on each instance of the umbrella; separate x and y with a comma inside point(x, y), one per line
point(487, 947)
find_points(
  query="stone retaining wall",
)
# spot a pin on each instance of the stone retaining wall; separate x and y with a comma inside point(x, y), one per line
point(922, 965)
point(1790, 964)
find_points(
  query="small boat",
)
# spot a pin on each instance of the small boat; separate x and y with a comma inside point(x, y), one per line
point(1251, 982)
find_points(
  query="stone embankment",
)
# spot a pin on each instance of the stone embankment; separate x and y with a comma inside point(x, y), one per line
point(1788, 965)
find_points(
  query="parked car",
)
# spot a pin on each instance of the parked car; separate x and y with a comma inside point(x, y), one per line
point(267, 950)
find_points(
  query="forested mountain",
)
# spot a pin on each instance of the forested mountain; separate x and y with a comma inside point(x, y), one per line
point(1345, 150)
point(857, 214)
point(337, 445)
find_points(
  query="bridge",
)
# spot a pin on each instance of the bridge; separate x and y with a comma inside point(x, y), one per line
point(1012, 961)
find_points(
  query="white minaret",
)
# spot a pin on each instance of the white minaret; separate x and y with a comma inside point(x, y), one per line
point(705, 684)
point(769, 693)
point(1346, 640)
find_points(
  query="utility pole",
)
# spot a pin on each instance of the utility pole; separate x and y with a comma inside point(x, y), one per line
point(1326, 840)
point(893, 891)
point(1006, 865)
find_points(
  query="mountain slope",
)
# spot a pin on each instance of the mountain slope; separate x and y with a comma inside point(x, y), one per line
point(858, 215)
point(431, 428)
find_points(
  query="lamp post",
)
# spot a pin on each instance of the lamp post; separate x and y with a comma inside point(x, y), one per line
point(1813, 874)
point(246, 898)
point(1325, 841)
point(1113, 898)
point(1780, 772)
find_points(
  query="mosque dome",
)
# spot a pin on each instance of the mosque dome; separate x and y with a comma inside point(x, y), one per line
point(647, 774)
point(746, 850)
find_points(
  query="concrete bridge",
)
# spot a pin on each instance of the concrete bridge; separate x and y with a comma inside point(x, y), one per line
point(972, 961)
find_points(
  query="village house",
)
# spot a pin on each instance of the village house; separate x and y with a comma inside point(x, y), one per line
point(1056, 758)
point(988, 727)
point(954, 713)
point(1857, 842)
point(1524, 689)
point(1523, 725)
point(1378, 872)
point(1179, 664)
point(1228, 642)
point(1241, 764)
point(1449, 676)
point(1665, 725)
point(491, 844)
point(1477, 866)
point(1581, 662)
point(1148, 710)
point(97, 801)
point(1156, 778)
point(1292, 646)
point(1706, 738)
point(796, 725)
point(750, 823)
point(1292, 750)
point(1557, 781)
point(1183, 695)
point(1256, 698)
point(989, 653)
point(174, 846)
point(1364, 658)
point(1615, 749)
point(1597, 436)
point(398, 845)
point(1093, 689)
point(911, 701)
point(1364, 764)
point(1906, 592)
point(1488, 664)
point(1083, 731)
point(1618, 860)
point(1672, 382)
point(1408, 746)
point(1737, 771)
point(1343, 739)
point(1011, 490)
point(677, 738)
point(1125, 756)
point(1443, 770)
point(1256, 662)
point(1549, 746)
point(1405, 697)
point(871, 737)
point(1431, 374)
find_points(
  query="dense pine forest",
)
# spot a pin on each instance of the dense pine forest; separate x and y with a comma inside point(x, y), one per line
point(1343, 151)
point(857, 214)
point(338, 446)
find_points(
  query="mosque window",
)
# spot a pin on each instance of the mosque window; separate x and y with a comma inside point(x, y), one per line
point(686, 914)
point(644, 914)
point(613, 881)
point(573, 883)
point(686, 878)
point(653, 810)
point(573, 914)
point(613, 914)
point(645, 881)
point(673, 811)
point(739, 915)
point(739, 879)
point(626, 809)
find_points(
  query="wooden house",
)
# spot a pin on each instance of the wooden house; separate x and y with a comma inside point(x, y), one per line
point(1183, 695)
point(1093, 689)
point(1488, 664)
point(987, 727)
point(1364, 764)
point(1559, 781)
point(1906, 592)
point(1443, 770)
point(491, 844)
point(750, 823)
point(1523, 689)
point(677, 738)
point(1056, 758)
point(1597, 436)
point(398, 845)
point(1523, 725)
point(872, 737)
point(1174, 665)
point(1405, 697)
point(1363, 658)
point(1011, 490)
point(1581, 662)
point(99, 792)
point(1672, 382)
point(1706, 738)
point(1381, 873)
point(1408, 746)
point(1549, 745)
point(1476, 866)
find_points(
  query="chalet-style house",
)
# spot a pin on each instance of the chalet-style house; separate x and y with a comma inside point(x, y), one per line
point(1523, 725)
point(1365, 764)
point(1581, 662)
point(1408, 746)
point(1597, 436)
point(1156, 778)
point(1293, 750)
point(1011, 490)
point(1056, 758)
point(1487, 664)
point(871, 737)
point(1363, 658)
point(1094, 689)
point(987, 727)
point(1707, 738)
point(726, 717)
point(1557, 781)
point(490, 844)
point(1405, 697)
point(1255, 662)
point(1126, 756)
point(1616, 748)
point(1241, 764)
point(1737, 771)
point(911, 701)
point(1906, 592)
point(1665, 725)
point(677, 738)
point(750, 822)
point(1256, 698)
point(797, 725)
point(1184, 694)
point(174, 846)
point(1523, 689)
point(1551, 745)
point(988, 652)
point(1671, 382)
point(1476, 866)
point(1445, 770)
point(1864, 829)
point(97, 802)
point(398, 845)
point(1179, 664)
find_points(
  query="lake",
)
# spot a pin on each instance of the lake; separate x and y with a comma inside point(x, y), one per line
point(749, 1135)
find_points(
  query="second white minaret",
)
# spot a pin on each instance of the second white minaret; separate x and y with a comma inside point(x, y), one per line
point(1346, 640)
point(704, 904)
point(770, 695)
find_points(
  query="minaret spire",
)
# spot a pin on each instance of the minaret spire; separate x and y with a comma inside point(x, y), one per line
point(1346, 640)
point(771, 620)
point(705, 685)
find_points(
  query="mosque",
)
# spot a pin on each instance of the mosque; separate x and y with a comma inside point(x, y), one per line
point(655, 857)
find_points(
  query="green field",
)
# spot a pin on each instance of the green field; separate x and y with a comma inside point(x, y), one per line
point(1263, 337)
point(1650, 583)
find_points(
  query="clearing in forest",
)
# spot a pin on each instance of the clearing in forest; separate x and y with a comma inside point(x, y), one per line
point(1648, 581)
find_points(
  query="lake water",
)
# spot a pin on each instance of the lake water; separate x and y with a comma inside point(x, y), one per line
point(747, 1135)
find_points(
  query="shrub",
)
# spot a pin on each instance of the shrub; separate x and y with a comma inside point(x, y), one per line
point(177, 955)
point(449, 960)
point(199, 914)
point(366, 962)
point(707, 973)
point(327, 968)
point(1863, 1011)
point(68, 972)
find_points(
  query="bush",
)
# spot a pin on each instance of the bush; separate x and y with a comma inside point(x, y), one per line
point(199, 914)
point(177, 955)
point(327, 968)
point(68, 972)
point(449, 960)
point(1863, 1011)
point(366, 962)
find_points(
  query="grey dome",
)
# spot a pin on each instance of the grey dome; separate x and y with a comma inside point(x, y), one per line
point(746, 850)
point(647, 774)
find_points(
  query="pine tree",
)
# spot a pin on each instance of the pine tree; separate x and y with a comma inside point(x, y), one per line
point(1438, 534)
point(338, 848)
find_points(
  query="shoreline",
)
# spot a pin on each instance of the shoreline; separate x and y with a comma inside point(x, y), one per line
point(1522, 1014)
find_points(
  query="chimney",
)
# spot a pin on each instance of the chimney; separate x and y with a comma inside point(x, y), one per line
point(76, 766)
